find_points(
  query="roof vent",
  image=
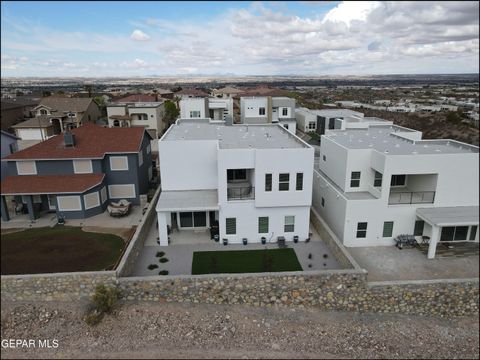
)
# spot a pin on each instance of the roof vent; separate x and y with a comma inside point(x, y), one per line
point(69, 138)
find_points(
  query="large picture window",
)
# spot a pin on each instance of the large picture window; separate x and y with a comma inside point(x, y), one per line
point(454, 233)
point(193, 219)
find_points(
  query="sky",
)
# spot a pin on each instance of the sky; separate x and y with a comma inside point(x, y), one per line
point(311, 38)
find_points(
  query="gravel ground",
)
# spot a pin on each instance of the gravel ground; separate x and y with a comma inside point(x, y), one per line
point(170, 330)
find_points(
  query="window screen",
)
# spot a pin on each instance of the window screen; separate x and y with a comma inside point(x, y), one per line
point(230, 226)
point(283, 181)
point(263, 225)
point(387, 228)
point(289, 223)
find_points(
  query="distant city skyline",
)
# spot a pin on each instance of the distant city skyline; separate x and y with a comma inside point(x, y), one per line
point(101, 39)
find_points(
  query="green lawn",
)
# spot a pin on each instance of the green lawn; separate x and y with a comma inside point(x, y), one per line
point(58, 249)
point(244, 261)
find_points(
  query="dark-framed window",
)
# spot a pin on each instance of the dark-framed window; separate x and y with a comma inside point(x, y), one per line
point(473, 232)
point(355, 179)
point(362, 230)
point(299, 183)
point(377, 181)
point(236, 174)
point(230, 226)
point(398, 180)
point(454, 233)
point(263, 225)
point(418, 229)
point(268, 182)
point(283, 181)
point(289, 224)
point(387, 229)
point(261, 111)
point(285, 111)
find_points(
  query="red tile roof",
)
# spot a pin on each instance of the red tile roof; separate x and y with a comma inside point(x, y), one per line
point(91, 141)
point(136, 98)
point(49, 184)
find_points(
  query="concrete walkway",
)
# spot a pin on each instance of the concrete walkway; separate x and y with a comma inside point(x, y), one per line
point(180, 256)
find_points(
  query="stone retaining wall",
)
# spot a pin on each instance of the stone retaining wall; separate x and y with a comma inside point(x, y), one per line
point(135, 245)
point(330, 239)
point(58, 286)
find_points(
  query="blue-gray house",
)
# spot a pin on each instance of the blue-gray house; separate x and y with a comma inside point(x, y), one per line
point(76, 174)
point(9, 146)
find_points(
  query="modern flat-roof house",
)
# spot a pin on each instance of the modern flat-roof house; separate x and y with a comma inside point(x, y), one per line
point(148, 115)
point(327, 118)
point(213, 108)
point(254, 180)
point(375, 183)
point(64, 112)
point(75, 174)
point(268, 110)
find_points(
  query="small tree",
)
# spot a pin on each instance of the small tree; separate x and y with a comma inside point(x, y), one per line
point(105, 298)
point(171, 112)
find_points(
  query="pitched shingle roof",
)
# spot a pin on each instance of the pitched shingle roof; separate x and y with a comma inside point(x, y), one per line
point(62, 104)
point(50, 184)
point(41, 121)
point(91, 141)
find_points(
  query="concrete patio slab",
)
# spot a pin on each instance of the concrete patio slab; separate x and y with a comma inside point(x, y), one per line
point(386, 263)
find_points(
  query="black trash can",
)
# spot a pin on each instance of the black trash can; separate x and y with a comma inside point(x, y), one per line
point(225, 241)
point(245, 241)
point(264, 240)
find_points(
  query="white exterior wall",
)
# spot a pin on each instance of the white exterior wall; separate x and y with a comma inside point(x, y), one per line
point(32, 134)
point(335, 167)
point(188, 165)
point(290, 125)
point(114, 110)
point(193, 104)
point(249, 107)
point(303, 118)
point(154, 117)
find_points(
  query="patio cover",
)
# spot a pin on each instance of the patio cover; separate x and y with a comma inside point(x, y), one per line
point(188, 200)
point(449, 216)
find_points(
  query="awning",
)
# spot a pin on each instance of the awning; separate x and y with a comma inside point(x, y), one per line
point(188, 200)
point(49, 184)
point(449, 216)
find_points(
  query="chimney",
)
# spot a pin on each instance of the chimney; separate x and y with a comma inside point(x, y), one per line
point(69, 138)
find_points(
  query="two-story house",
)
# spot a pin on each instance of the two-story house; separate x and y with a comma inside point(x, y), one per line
point(9, 146)
point(75, 174)
point(374, 183)
point(254, 180)
point(268, 110)
point(201, 108)
point(148, 115)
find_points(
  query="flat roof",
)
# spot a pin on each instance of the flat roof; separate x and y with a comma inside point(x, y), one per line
point(192, 200)
point(387, 139)
point(450, 216)
point(241, 136)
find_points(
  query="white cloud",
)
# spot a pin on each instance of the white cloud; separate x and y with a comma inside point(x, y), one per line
point(139, 35)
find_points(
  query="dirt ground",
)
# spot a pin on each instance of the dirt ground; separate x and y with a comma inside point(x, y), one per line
point(172, 330)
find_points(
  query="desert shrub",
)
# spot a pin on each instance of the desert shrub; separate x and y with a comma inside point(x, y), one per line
point(105, 298)
point(152, 266)
point(160, 253)
point(163, 260)
point(93, 318)
point(163, 272)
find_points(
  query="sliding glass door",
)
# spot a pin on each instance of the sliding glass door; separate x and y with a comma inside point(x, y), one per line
point(197, 219)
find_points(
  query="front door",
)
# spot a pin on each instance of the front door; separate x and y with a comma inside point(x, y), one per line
point(52, 202)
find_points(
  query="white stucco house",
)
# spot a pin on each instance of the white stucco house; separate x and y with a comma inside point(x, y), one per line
point(374, 183)
point(268, 110)
point(202, 108)
point(142, 114)
point(255, 181)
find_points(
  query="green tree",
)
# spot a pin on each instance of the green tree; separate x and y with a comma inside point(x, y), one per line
point(171, 112)
point(101, 105)
point(46, 93)
point(89, 89)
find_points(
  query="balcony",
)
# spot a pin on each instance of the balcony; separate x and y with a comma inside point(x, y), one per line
point(411, 197)
point(242, 192)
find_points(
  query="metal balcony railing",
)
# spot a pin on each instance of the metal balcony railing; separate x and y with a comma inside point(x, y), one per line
point(411, 197)
point(241, 193)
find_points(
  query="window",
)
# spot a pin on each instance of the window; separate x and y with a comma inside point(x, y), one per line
point(236, 174)
point(418, 229)
point(299, 184)
point(324, 157)
point(69, 203)
point(91, 200)
point(116, 123)
point(377, 181)
point(454, 233)
point(103, 194)
point(473, 232)
point(283, 182)
point(398, 180)
point(355, 179)
point(193, 219)
point(186, 219)
point(194, 114)
point(361, 230)
point(284, 111)
point(323, 202)
point(121, 191)
point(261, 111)
point(12, 147)
point(26, 168)
point(387, 228)
point(231, 226)
point(118, 163)
point(268, 182)
point(312, 125)
point(82, 166)
point(43, 112)
point(140, 158)
point(263, 225)
point(289, 224)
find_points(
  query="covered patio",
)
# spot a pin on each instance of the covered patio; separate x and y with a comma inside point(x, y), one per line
point(450, 227)
point(192, 211)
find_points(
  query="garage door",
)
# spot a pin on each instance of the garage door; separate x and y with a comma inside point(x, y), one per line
point(30, 134)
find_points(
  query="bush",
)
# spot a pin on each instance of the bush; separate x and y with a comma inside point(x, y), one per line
point(163, 272)
point(93, 318)
point(105, 298)
point(163, 260)
point(159, 254)
point(152, 266)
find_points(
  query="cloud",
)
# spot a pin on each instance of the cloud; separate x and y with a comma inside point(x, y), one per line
point(139, 35)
